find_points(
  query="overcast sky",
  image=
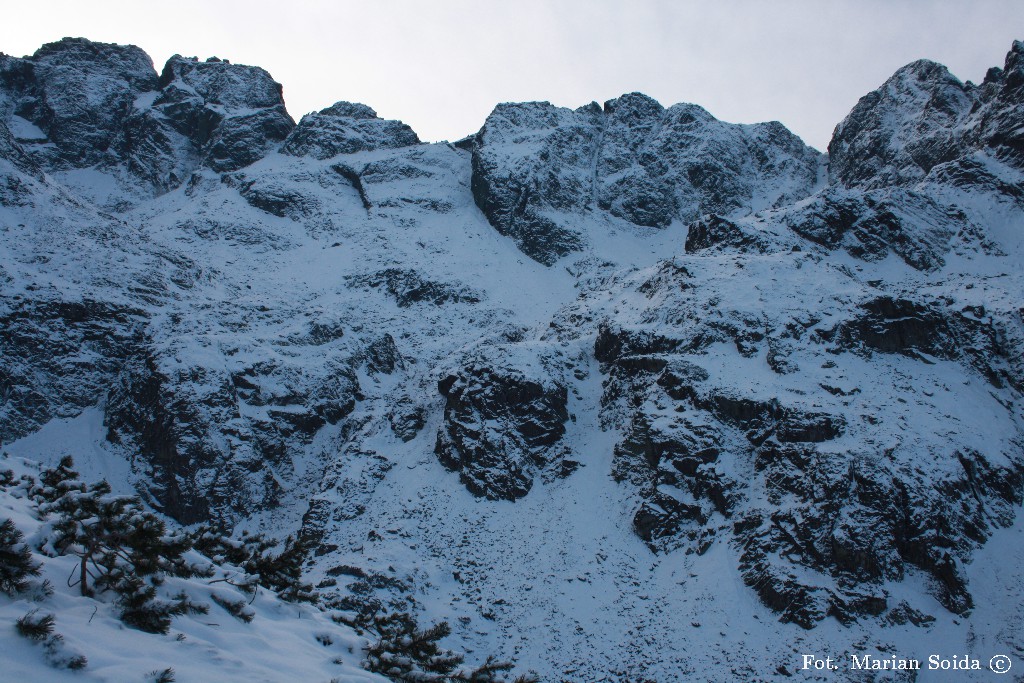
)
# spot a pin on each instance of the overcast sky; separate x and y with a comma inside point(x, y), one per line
point(442, 65)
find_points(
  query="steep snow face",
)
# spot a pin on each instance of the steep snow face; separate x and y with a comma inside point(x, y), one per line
point(537, 169)
point(627, 376)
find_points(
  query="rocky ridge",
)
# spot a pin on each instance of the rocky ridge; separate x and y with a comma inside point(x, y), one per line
point(636, 346)
point(537, 167)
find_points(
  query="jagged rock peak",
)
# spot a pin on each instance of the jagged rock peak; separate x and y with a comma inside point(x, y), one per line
point(536, 165)
point(103, 105)
point(1000, 127)
point(1015, 62)
point(79, 93)
point(898, 132)
point(924, 123)
point(352, 110)
point(232, 114)
point(219, 81)
point(346, 128)
point(634, 105)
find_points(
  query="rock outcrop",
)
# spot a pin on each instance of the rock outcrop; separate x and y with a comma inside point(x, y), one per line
point(80, 94)
point(500, 428)
point(87, 104)
point(828, 498)
point(345, 128)
point(231, 114)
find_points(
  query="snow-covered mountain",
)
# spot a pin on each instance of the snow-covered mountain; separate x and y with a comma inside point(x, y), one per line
point(621, 392)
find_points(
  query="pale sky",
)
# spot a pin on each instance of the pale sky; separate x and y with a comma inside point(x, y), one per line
point(442, 65)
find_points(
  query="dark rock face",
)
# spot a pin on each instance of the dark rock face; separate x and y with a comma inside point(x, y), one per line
point(872, 225)
point(233, 114)
point(407, 419)
point(913, 328)
point(902, 326)
point(616, 345)
point(80, 93)
point(999, 123)
point(876, 527)
point(898, 133)
point(15, 153)
point(345, 128)
point(183, 429)
point(57, 358)
point(827, 503)
point(91, 101)
point(714, 231)
point(169, 426)
point(408, 287)
point(500, 429)
point(18, 171)
point(514, 202)
point(283, 201)
point(213, 443)
point(383, 356)
point(535, 165)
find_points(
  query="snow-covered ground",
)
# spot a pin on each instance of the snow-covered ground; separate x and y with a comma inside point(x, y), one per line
point(283, 641)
